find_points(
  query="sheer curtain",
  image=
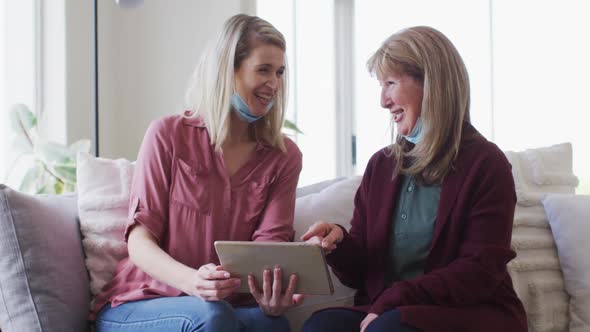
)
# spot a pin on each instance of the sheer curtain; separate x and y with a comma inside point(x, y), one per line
point(18, 63)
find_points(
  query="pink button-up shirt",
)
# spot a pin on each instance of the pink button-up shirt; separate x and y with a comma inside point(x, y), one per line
point(183, 195)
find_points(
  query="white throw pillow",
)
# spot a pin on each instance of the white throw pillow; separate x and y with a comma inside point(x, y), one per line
point(542, 170)
point(103, 196)
point(569, 217)
point(334, 203)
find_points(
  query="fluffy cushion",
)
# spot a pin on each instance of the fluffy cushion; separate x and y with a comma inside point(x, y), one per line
point(569, 216)
point(103, 195)
point(43, 282)
point(333, 203)
point(317, 187)
point(542, 170)
point(535, 271)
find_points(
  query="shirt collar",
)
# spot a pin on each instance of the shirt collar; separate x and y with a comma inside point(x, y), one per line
point(198, 122)
point(195, 121)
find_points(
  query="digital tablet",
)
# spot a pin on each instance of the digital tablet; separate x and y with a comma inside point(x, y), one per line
point(241, 258)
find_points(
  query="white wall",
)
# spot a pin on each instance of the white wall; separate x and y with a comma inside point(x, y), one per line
point(146, 56)
point(79, 34)
point(53, 54)
point(67, 53)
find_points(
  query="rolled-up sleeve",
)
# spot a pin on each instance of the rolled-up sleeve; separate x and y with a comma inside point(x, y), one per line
point(150, 187)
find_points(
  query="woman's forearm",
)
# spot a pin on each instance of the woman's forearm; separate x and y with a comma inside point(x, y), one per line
point(146, 254)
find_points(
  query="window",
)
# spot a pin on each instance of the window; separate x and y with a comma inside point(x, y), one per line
point(312, 92)
point(375, 20)
point(527, 70)
point(541, 72)
point(18, 63)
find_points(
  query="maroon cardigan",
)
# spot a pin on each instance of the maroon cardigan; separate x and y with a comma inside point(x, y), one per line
point(465, 286)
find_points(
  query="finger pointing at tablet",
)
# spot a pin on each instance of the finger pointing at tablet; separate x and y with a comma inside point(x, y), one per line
point(329, 234)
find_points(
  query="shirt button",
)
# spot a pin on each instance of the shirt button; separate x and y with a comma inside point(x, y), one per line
point(404, 216)
point(410, 188)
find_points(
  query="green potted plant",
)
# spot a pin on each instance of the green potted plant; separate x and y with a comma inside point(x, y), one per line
point(49, 167)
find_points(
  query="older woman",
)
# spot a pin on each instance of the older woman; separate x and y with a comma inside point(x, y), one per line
point(431, 229)
point(221, 171)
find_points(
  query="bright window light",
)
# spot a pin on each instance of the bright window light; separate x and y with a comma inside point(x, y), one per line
point(375, 20)
point(17, 67)
point(527, 62)
point(308, 28)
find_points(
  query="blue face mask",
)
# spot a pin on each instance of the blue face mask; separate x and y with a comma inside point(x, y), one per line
point(415, 135)
point(242, 109)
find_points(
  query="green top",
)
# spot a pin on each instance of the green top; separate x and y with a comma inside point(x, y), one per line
point(412, 231)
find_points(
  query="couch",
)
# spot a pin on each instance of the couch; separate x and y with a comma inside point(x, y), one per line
point(57, 251)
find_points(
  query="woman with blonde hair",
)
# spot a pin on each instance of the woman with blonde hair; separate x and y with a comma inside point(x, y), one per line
point(221, 171)
point(430, 234)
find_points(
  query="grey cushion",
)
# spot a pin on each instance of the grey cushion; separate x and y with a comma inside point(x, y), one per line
point(43, 279)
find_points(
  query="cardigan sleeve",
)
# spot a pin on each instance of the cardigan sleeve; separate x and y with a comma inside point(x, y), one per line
point(349, 259)
point(480, 266)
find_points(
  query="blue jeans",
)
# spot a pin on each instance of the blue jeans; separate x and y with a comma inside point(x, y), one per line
point(344, 320)
point(186, 313)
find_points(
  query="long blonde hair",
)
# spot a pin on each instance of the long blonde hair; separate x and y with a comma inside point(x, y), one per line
point(213, 83)
point(429, 57)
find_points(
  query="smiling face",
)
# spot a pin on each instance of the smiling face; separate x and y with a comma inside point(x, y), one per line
point(259, 76)
point(402, 96)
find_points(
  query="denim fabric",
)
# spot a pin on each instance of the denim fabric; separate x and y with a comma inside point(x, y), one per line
point(186, 314)
point(344, 320)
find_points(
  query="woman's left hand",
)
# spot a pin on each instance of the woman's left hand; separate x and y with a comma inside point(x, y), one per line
point(272, 300)
point(370, 317)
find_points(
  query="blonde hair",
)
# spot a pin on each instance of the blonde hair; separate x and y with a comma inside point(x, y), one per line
point(430, 58)
point(213, 83)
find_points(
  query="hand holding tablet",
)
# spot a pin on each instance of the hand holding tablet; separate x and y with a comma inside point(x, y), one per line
point(243, 258)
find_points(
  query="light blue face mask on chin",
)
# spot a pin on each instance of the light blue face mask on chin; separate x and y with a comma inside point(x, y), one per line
point(242, 109)
point(415, 135)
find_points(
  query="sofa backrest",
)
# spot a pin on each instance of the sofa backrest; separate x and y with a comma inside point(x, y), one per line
point(536, 272)
point(43, 281)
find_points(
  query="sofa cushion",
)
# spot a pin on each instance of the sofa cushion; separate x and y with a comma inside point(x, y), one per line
point(43, 282)
point(569, 216)
point(535, 271)
point(542, 170)
point(103, 195)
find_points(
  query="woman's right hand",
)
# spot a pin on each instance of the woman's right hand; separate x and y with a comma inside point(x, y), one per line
point(326, 234)
point(211, 283)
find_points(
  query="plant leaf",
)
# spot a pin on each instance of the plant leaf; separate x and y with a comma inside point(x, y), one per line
point(43, 190)
point(67, 173)
point(51, 152)
point(290, 125)
point(29, 181)
point(58, 187)
point(22, 118)
point(82, 145)
point(20, 145)
point(68, 187)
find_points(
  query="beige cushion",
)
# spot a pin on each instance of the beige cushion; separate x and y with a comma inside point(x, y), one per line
point(536, 271)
